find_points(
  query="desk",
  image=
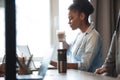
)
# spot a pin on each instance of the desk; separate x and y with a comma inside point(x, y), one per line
point(74, 75)
point(71, 74)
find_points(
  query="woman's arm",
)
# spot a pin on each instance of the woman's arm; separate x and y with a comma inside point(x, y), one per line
point(72, 65)
point(53, 63)
point(65, 45)
point(69, 65)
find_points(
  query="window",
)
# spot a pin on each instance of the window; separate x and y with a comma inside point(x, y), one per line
point(33, 25)
point(2, 31)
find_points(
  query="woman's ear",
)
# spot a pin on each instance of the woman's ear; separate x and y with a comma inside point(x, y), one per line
point(82, 16)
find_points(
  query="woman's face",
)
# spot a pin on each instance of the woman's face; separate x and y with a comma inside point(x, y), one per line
point(74, 19)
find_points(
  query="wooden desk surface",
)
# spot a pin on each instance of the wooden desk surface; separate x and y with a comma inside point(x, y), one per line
point(75, 75)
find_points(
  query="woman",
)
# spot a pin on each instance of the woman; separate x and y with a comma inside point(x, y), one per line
point(85, 51)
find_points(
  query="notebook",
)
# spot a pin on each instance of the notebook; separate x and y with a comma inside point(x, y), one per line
point(42, 69)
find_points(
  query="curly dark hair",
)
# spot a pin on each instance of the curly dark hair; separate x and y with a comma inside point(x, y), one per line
point(82, 6)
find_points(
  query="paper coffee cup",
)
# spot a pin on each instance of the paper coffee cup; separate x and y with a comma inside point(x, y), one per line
point(61, 36)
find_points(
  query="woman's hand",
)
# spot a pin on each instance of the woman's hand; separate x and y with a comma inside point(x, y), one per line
point(53, 63)
point(119, 76)
point(100, 70)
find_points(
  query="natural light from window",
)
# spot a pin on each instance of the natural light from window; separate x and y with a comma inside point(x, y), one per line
point(33, 25)
point(2, 32)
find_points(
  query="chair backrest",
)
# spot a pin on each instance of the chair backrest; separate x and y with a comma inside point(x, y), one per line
point(118, 23)
point(118, 44)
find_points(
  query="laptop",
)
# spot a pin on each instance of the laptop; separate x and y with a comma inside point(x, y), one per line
point(42, 69)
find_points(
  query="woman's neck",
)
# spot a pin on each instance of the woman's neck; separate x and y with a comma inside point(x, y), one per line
point(84, 27)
